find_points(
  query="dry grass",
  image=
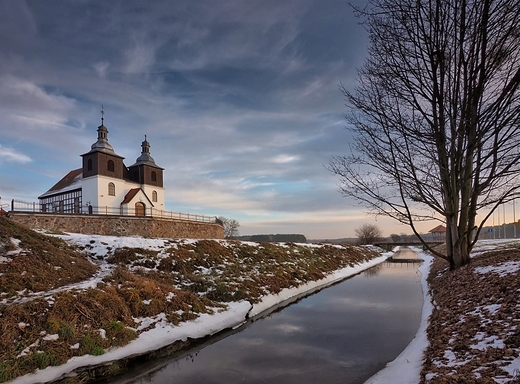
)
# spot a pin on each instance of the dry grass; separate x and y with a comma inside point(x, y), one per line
point(43, 263)
point(471, 307)
point(181, 282)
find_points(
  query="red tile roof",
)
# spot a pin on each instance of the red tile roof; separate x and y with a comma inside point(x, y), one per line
point(438, 229)
point(130, 195)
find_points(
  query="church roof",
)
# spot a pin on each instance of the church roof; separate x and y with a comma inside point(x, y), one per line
point(69, 182)
point(132, 193)
point(145, 158)
point(102, 144)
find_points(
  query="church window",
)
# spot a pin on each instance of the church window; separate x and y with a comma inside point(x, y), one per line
point(111, 189)
point(154, 176)
point(76, 205)
point(110, 165)
point(89, 165)
point(154, 196)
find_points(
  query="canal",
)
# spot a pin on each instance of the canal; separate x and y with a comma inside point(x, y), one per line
point(342, 334)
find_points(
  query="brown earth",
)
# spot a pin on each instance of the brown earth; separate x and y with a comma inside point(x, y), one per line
point(474, 330)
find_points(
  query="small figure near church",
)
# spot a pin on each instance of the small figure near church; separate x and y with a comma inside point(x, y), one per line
point(104, 185)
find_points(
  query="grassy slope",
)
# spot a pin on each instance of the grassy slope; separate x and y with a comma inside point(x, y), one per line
point(182, 280)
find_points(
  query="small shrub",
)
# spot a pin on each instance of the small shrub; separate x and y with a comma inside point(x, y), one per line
point(196, 307)
point(41, 360)
point(221, 293)
point(91, 345)
point(118, 334)
point(64, 330)
point(5, 372)
point(187, 316)
point(173, 318)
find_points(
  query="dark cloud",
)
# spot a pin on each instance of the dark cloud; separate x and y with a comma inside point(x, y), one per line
point(239, 100)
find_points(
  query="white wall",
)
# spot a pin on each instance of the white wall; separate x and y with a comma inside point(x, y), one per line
point(95, 192)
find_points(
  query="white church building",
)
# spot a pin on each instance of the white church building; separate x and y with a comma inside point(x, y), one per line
point(104, 185)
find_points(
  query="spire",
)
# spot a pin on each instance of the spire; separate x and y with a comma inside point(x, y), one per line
point(145, 146)
point(145, 157)
point(102, 140)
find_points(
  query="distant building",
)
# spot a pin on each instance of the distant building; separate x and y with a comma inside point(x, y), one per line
point(438, 233)
point(106, 185)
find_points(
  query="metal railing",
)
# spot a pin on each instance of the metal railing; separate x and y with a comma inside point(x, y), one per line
point(23, 206)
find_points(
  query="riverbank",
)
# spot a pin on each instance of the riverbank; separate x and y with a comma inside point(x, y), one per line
point(470, 328)
point(143, 295)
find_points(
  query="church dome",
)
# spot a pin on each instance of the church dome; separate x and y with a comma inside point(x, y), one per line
point(145, 157)
point(102, 141)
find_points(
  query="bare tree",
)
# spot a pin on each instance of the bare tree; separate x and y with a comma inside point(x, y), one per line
point(395, 237)
point(230, 227)
point(435, 117)
point(368, 234)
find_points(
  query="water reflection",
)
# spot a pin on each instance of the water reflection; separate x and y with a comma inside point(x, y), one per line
point(344, 333)
point(374, 271)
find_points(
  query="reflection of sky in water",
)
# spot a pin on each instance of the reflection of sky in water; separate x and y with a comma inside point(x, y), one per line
point(344, 333)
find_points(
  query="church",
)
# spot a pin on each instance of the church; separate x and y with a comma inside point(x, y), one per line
point(104, 185)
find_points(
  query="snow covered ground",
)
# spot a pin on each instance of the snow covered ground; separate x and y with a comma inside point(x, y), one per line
point(406, 366)
point(165, 333)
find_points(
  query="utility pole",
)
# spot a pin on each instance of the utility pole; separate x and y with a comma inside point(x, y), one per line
point(504, 208)
point(494, 229)
point(514, 217)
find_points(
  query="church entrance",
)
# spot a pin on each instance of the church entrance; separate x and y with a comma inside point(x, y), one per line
point(139, 209)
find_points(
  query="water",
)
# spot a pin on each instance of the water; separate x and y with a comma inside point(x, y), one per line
point(342, 334)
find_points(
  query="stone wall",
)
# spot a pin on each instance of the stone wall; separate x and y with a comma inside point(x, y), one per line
point(119, 225)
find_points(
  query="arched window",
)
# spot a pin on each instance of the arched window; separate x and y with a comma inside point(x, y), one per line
point(111, 189)
point(154, 176)
point(89, 165)
point(110, 165)
point(154, 196)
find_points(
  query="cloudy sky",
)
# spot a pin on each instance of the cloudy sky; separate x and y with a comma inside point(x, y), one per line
point(239, 100)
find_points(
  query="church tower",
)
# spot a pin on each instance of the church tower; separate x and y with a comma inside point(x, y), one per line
point(101, 159)
point(103, 172)
point(149, 175)
point(145, 171)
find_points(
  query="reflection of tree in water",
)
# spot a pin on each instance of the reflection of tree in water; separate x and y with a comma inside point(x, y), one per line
point(374, 271)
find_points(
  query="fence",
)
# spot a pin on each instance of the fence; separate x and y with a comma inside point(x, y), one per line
point(22, 206)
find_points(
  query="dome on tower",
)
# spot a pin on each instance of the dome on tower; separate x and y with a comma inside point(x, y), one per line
point(145, 157)
point(102, 141)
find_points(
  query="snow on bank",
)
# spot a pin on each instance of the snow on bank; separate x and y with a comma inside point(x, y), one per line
point(407, 366)
point(162, 335)
point(165, 333)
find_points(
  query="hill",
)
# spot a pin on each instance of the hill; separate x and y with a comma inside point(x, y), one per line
point(70, 295)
